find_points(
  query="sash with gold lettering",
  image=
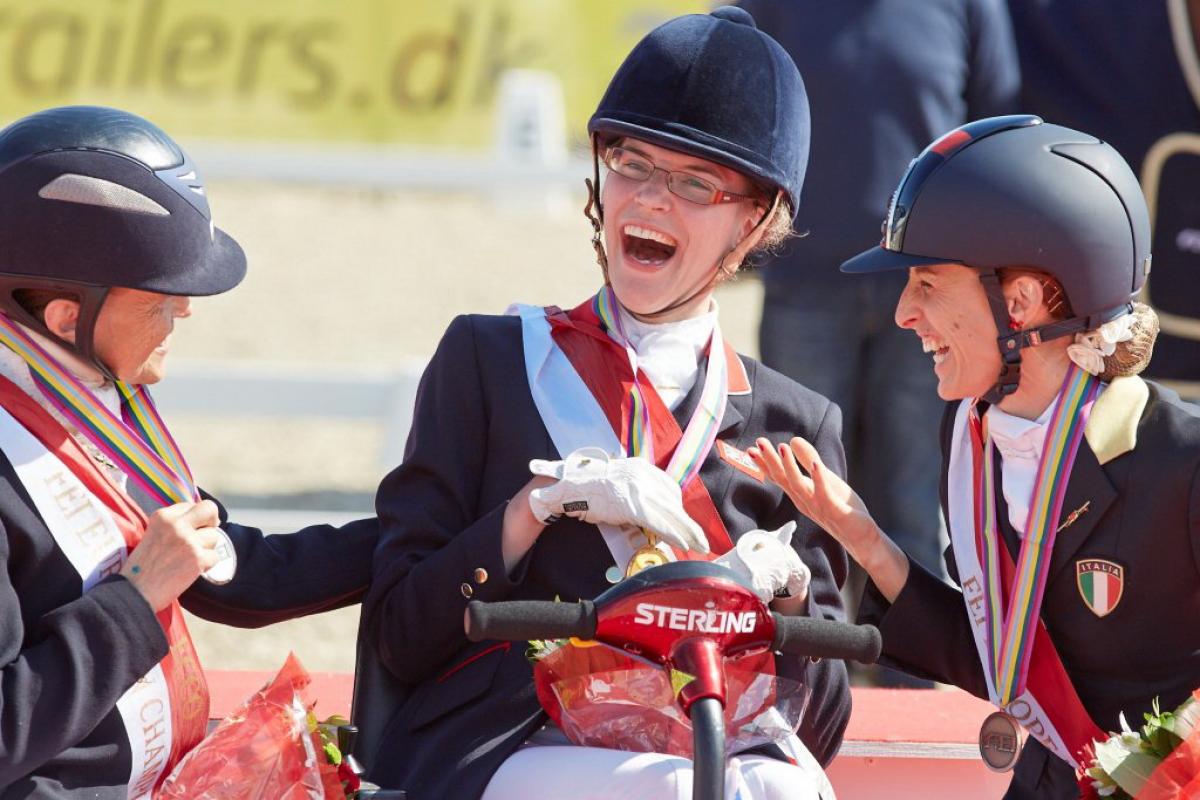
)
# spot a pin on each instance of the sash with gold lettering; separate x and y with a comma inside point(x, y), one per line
point(96, 525)
point(1024, 673)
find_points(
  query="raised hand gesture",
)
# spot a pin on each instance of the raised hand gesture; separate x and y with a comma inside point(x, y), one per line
point(827, 500)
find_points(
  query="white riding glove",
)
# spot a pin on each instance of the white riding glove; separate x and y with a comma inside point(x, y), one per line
point(767, 561)
point(625, 492)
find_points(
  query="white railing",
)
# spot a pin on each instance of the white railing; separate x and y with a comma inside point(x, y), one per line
point(247, 390)
point(234, 389)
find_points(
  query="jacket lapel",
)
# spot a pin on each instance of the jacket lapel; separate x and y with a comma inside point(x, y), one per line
point(715, 473)
point(737, 409)
point(1089, 494)
point(737, 405)
point(1111, 432)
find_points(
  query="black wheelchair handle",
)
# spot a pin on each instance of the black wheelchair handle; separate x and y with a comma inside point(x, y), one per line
point(523, 620)
point(826, 638)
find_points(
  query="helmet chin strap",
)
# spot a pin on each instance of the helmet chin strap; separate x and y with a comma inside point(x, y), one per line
point(1011, 344)
point(594, 211)
point(91, 299)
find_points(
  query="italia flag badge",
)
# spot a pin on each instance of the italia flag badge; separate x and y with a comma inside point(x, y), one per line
point(1100, 583)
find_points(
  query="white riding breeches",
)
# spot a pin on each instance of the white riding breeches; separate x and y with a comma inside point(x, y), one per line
point(594, 773)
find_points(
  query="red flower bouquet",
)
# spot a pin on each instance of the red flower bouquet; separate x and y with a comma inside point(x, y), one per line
point(269, 747)
point(604, 697)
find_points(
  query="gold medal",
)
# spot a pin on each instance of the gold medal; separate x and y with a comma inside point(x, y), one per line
point(999, 742)
point(643, 558)
point(646, 556)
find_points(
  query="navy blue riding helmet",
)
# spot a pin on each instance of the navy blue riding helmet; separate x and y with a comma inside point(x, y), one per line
point(1017, 192)
point(93, 198)
point(715, 87)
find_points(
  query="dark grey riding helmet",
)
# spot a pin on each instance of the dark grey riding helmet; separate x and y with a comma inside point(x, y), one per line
point(92, 198)
point(1017, 192)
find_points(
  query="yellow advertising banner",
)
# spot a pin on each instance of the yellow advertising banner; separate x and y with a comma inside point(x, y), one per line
point(411, 72)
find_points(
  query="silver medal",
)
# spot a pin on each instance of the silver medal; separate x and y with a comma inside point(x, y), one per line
point(223, 571)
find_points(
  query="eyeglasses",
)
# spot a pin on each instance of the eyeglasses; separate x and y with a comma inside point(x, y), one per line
point(692, 188)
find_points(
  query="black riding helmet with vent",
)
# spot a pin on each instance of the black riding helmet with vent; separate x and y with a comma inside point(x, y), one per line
point(93, 198)
point(715, 87)
point(1017, 192)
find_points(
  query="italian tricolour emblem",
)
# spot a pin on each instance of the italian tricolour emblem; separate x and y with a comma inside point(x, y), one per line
point(1100, 584)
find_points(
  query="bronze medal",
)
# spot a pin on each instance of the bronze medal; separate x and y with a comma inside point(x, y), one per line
point(999, 742)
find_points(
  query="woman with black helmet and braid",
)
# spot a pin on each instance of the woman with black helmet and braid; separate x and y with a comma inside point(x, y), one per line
point(1070, 485)
point(703, 134)
point(105, 236)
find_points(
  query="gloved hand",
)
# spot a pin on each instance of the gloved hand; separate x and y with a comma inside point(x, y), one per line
point(625, 492)
point(767, 561)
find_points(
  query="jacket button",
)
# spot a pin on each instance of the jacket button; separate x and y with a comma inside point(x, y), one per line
point(466, 590)
point(481, 575)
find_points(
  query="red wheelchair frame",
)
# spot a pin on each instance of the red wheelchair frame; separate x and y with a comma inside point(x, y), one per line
point(686, 616)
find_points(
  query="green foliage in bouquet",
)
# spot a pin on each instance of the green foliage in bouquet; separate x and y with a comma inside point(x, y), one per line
point(540, 648)
point(336, 771)
point(326, 730)
point(1123, 763)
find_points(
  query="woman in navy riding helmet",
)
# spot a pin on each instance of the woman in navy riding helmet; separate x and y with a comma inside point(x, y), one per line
point(703, 134)
point(1070, 485)
point(105, 236)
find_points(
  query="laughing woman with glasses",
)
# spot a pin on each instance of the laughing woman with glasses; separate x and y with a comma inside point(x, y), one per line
point(703, 132)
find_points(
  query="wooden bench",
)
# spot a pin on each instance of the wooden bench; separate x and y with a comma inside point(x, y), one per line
point(903, 744)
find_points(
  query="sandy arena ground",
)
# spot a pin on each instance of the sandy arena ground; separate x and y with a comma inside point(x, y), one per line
point(341, 276)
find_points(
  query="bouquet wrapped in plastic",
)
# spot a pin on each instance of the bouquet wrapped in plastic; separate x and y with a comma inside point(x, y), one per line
point(1161, 761)
point(603, 697)
point(267, 748)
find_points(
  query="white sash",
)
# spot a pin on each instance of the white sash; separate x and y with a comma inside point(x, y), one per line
point(571, 414)
point(960, 502)
point(86, 533)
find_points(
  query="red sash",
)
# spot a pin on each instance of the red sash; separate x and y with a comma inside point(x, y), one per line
point(1048, 682)
point(604, 368)
point(181, 666)
point(1047, 679)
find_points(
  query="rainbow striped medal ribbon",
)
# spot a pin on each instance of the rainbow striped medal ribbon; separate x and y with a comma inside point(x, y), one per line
point(701, 430)
point(139, 443)
point(1011, 635)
